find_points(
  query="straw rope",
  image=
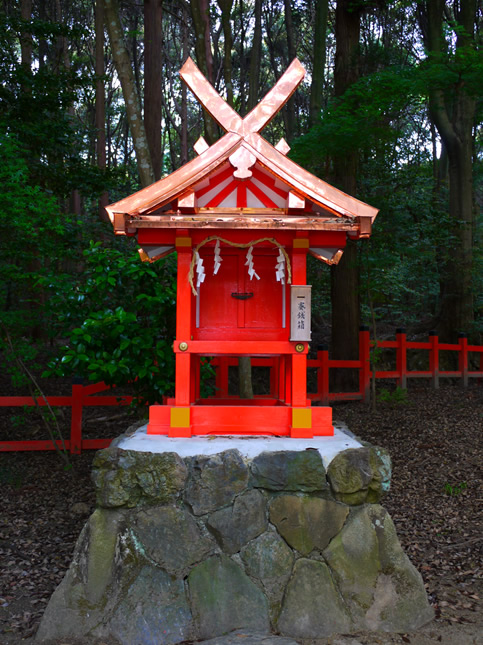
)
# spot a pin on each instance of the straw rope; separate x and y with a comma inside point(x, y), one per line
point(212, 238)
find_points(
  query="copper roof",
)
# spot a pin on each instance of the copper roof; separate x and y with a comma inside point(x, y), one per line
point(244, 148)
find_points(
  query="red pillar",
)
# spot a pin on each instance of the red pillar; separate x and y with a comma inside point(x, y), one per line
point(401, 358)
point(76, 418)
point(180, 419)
point(299, 361)
point(365, 361)
point(434, 359)
point(323, 374)
point(463, 358)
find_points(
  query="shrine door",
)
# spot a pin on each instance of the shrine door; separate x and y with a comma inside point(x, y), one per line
point(232, 306)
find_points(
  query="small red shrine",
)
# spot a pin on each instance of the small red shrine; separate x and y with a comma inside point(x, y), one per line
point(242, 218)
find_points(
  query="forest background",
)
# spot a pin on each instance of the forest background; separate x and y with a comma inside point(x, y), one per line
point(92, 109)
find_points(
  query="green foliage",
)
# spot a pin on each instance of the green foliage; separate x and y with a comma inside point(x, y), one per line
point(453, 490)
point(396, 397)
point(121, 321)
point(31, 239)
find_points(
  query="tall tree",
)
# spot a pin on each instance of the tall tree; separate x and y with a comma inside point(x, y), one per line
point(200, 13)
point(452, 108)
point(226, 7)
point(289, 109)
point(152, 80)
point(345, 275)
point(129, 91)
point(100, 104)
point(318, 69)
point(255, 58)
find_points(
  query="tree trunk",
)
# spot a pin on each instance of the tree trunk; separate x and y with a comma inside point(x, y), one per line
point(129, 92)
point(152, 81)
point(345, 275)
point(254, 78)
point(318, 70)
point(26, 38)
point(100, 105)
point(184, 89)
point(452, 112)
point(245, 377)
point(226, 7)
point(290, 122)
point(204, 57)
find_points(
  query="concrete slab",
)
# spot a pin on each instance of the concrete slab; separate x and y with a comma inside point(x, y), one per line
point(249, 447)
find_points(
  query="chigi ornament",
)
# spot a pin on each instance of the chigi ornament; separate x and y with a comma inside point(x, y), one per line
point(244, 208)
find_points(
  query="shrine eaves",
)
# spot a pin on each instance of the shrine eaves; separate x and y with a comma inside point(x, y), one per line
point(242, 181)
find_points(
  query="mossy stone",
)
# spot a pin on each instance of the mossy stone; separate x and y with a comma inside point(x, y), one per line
point(154, 610)
point(170, 537)
point(307, 523)
point(215, 480)
point(312, 607)
point(130, 478)
point(104, 528)
point(376, 579)
point(289, 470)
point(269, 561)
point(236, 525)
point(360, 475)
point(223, 598)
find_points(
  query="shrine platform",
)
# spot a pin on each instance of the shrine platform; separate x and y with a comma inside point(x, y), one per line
point(249, 446)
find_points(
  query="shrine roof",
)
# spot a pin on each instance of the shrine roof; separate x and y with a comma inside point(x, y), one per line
point(247, 162)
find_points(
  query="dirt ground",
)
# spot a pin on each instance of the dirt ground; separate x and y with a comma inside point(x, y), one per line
point(435, 440)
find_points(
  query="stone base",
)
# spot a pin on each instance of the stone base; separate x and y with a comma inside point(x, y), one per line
point(196, 548)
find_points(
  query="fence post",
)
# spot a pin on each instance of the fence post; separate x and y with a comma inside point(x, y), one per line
point(323, 374)
point(434, 359)
point(401, 357)
point(365, 361)
point(463, 358)
point(76, 416)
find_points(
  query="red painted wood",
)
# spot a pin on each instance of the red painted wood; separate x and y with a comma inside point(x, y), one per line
point(76, 419)
point(269, 182)
point(184, 296)
point(434, 360)
point(259, 194)
point(241, 420)
point(364, 364)
point(223, 194)
point(299, 380)
point(183, 379)
point(288, 380)
point(240, 347)
point(95, 444)
point(274, 380)
point(19, 401)
point(42, 444)
point(323, 376)
point(215, 181)
point(299, 266)
point(241, 195)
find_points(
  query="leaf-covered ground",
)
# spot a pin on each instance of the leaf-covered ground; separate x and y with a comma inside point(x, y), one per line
point(435, 440)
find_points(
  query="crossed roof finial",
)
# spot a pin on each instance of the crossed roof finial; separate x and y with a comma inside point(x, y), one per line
point(226, 116)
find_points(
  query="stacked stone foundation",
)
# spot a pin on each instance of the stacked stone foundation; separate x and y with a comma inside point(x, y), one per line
point(195, 548)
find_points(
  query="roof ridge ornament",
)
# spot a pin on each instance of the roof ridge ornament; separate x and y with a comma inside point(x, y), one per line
point(225, 115)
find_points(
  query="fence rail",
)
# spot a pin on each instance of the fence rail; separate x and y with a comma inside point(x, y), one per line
point(82, 395)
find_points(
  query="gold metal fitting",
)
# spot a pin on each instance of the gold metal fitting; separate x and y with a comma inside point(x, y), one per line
point(183, 346)
point(299, 347)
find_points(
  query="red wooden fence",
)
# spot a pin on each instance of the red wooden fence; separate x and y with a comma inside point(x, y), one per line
point(80, 398)
point(82, 394)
